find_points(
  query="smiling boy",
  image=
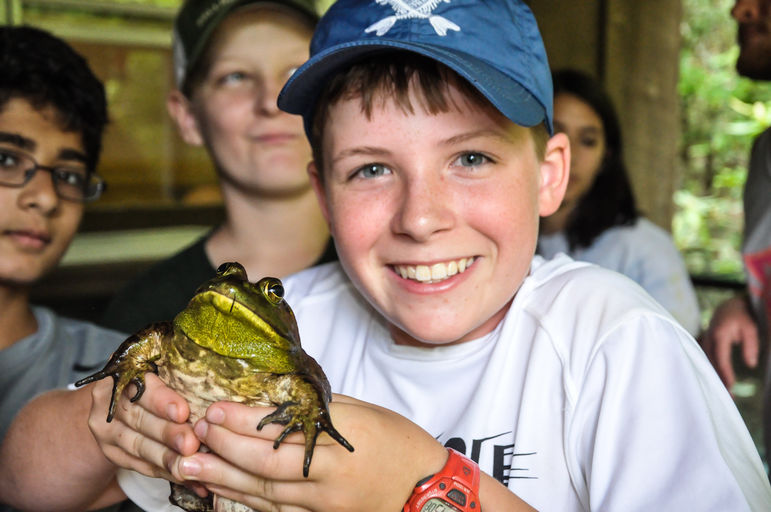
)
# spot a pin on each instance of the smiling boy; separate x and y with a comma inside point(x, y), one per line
point(463, 362)
point(52, 114)
point(564, 382)
point(412, 198)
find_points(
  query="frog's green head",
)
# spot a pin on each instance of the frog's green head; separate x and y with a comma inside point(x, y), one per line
point(236, 318)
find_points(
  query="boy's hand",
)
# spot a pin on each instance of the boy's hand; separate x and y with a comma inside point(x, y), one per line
point(731, 324)
point(146, 435)
point(390, 455)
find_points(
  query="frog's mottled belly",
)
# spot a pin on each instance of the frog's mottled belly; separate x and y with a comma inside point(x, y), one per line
point(203, 377)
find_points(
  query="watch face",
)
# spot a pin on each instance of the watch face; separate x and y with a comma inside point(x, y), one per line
point(438, 505)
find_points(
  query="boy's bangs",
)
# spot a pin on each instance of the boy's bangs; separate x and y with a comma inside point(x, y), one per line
point(398, 77)
point(402, 78)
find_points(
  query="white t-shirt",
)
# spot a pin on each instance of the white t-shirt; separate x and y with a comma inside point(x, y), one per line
point(587, 396)
point(646, 254)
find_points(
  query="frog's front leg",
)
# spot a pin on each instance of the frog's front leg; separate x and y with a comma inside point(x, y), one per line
point(129, 363)
point(304, 409)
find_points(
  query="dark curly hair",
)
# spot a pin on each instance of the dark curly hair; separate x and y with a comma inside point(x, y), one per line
point(47, 72)
point(610, 200)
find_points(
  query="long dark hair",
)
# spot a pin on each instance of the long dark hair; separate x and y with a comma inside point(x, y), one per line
point(610, 200)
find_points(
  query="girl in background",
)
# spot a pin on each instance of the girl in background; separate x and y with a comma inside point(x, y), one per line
point(598, 221)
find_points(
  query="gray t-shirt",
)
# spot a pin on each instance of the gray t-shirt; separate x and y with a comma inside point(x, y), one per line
point(62, 351)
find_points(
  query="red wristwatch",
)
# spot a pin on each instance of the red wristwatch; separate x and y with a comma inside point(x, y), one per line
point(454, 489)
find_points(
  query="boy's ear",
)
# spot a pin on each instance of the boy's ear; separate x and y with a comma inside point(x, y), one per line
point(318, 187)
point(555, 171)
point(181, 111)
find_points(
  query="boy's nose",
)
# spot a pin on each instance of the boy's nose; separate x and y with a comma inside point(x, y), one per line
point(424, 210)
point(745, 11)
point(40, 193)
point(266, 98)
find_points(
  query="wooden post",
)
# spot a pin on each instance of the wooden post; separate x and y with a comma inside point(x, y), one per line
point(641, 65)
point(10, 12)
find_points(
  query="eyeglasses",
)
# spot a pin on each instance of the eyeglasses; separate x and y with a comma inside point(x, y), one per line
point(71, 182)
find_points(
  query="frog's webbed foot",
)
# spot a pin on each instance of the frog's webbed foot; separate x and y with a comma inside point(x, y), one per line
point(310, 420)
point(129, 363)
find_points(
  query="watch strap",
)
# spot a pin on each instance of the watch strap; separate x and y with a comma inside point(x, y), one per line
point(457, 484)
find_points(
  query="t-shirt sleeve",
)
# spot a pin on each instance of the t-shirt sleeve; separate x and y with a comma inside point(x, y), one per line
point(646, 405)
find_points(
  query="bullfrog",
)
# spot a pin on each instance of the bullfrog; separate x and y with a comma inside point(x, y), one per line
point(237, 341)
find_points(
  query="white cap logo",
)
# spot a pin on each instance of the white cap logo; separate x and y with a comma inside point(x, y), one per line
point(406, 9)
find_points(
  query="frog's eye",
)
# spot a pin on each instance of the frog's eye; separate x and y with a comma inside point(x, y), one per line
point(232, 267)
point(273, 291)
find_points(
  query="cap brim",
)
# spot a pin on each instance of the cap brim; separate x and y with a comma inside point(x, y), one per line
point(301, 91)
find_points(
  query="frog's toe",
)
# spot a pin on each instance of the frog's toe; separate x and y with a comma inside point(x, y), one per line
point(283, 415)
point(330, 429)
point(311, 424)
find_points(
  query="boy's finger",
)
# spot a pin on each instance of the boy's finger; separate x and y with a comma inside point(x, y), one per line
point(163, 401)
point(256, 454)
point(238, 418)
point(243, 419)
point(139, 422)
point(750, 347)
point(152, 455)
point(723, 362)
point(231, 482)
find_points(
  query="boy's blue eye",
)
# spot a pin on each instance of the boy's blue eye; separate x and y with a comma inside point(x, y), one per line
point(472, 159)
point(234, 77)
point(372, 171)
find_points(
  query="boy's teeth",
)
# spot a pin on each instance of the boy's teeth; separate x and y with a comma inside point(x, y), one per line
point(436, 272)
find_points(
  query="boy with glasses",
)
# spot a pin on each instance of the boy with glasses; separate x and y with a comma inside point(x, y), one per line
point(52, 115)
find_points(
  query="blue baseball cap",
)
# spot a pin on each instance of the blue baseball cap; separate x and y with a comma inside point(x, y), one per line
point(494, 44)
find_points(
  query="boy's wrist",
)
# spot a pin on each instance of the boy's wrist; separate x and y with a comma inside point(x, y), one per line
point(455, 486)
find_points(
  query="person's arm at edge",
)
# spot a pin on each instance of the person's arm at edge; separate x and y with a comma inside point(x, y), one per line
point(50, 436)
point(732, 324)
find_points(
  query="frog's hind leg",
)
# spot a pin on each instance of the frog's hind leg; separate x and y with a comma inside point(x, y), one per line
point(188, 500)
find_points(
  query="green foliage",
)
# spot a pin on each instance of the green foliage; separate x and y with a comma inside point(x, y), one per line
point(157, 3)
point(721, 114)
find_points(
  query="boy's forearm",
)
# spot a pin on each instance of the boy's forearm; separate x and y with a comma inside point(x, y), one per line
point(497, 497)
point(50, 461)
